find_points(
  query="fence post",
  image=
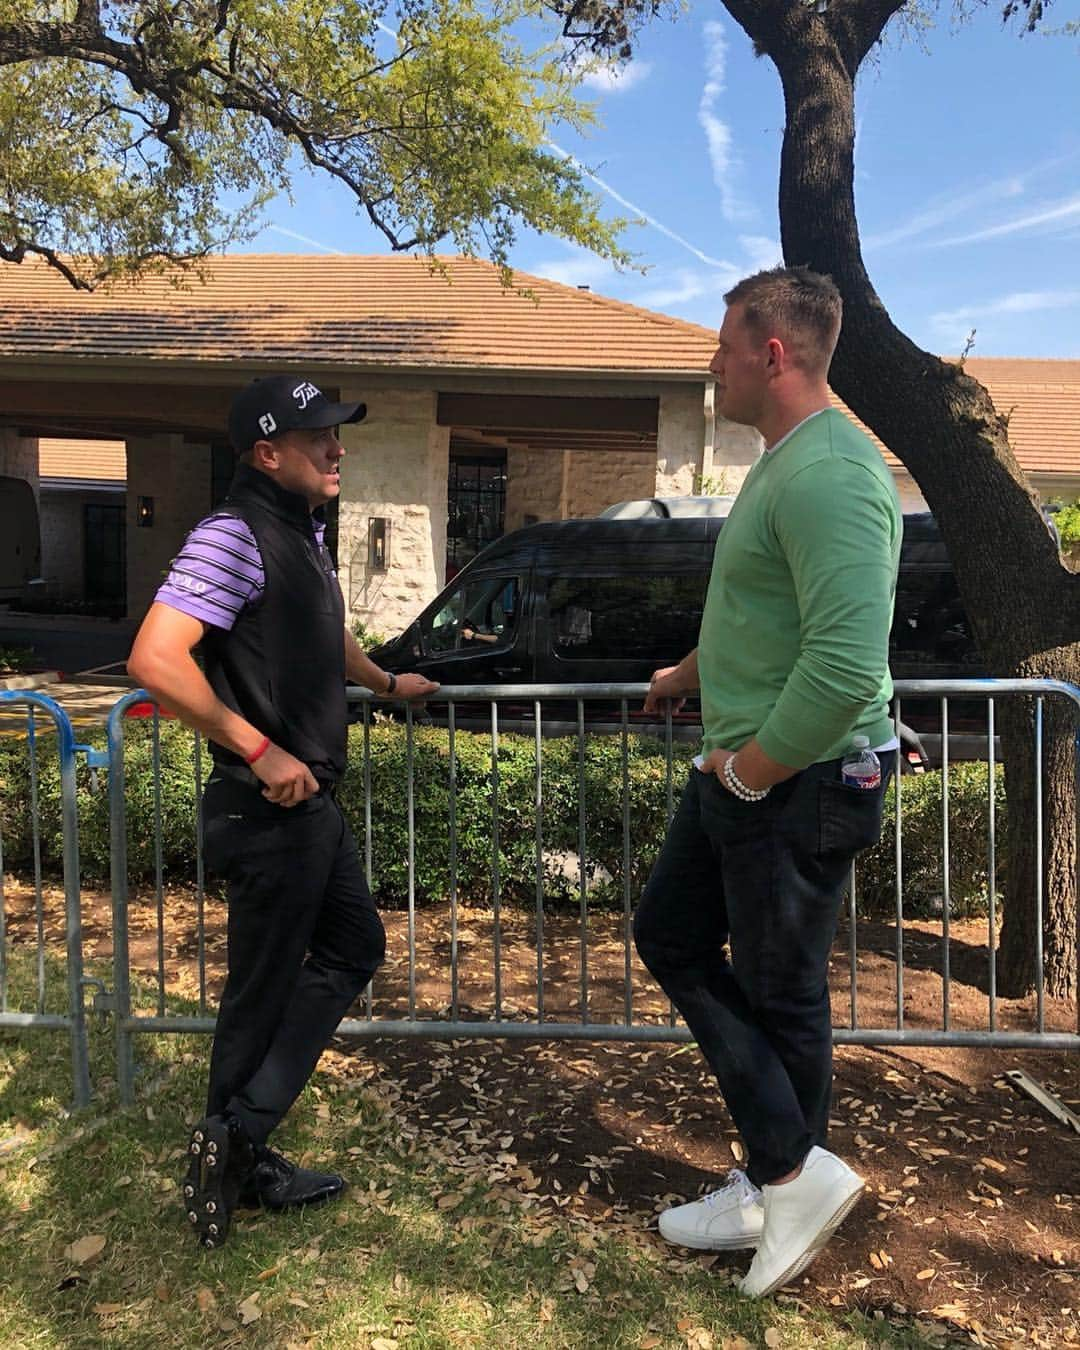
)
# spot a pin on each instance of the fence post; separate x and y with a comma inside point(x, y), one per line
point(118, 870)
point(69, 808)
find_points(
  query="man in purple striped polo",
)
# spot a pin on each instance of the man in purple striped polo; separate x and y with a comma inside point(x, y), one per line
point(254, 587)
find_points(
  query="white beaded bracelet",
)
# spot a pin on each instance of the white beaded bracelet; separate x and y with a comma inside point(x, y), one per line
point(736, 785)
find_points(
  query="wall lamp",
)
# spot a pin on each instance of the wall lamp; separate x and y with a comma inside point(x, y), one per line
point(144, 511)
point(378, 534)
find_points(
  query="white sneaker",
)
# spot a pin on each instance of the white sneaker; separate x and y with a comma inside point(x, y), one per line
point(800, 1217)
point(729, 1218)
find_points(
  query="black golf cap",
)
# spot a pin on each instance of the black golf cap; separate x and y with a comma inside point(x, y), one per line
point(280, 403)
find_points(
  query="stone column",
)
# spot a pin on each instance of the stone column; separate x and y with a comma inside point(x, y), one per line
point(680, 440)
point(735, 448)
point(19, 458)
point(534, 482)
point(600, 478)
point(177, 475)
point(396, 467)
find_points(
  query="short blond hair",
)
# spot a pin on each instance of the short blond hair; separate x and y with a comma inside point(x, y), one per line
point(801, 307)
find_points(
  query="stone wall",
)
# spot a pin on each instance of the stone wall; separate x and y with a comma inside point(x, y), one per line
point(63, 539)
point(19, 458)
point(570, 484)
point(396, 466)
point(177, 475)
point(596, 479)
point(680, 441)
point(534, 484)
point(734, 450)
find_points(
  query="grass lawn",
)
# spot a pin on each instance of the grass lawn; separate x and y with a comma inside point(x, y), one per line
point(96, 1252)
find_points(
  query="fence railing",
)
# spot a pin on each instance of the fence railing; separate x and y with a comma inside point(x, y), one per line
point(26, 713)
point(520, 927)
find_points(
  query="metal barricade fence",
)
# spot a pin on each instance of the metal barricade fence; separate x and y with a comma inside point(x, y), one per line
point(19, 732)
point(435, 990)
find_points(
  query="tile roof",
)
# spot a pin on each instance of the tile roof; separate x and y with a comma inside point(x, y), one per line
point(1042, 398)
point(392, 312)
point(396, 313)
point(100, 461)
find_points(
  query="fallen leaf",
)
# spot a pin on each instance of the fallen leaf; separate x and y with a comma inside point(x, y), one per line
point(926, 1274)
point(205, 1300)
point(249, 1310)
point(107, 1309)
point(772, 1337)
point(86, 1249)
point(450, 1201)
point(383, 1343)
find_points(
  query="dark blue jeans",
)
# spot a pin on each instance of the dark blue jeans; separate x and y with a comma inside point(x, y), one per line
point(736, 924)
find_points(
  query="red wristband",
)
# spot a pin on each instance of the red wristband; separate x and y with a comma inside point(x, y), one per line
point(259, 752)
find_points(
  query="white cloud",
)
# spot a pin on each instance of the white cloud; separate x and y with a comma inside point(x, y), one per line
point(722, 157)
point(1051, 214)
point(303, 239)
point(578, 268)
point(609, 78)
point(684, 284)
point(955, 325)
point(638, 212)
point(761, 251)
point(968, 199)
point(1018, 302)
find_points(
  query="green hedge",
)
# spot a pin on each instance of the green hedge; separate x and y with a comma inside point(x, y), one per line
point(921, 833)
point(603, 774)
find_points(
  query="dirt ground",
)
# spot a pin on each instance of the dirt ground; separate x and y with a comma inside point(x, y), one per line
point(972, 1219)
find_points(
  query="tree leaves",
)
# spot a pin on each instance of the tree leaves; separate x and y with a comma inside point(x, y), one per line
point(159, 138)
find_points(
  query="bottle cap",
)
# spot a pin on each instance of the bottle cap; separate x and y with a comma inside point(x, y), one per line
point(860, 742)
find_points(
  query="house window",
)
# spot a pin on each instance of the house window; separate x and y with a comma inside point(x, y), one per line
point(105, 557)
point(476, 506)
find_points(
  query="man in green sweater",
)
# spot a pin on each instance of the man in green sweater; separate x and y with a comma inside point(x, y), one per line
point(740, 912)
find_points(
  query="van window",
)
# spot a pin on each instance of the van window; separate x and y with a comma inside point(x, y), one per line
point(930, 628)
point(625, 617)
point(482, 612)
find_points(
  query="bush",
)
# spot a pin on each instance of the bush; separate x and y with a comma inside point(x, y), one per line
point(517, 854)
point(517, 863)
point(921, 832)
point(366, 637)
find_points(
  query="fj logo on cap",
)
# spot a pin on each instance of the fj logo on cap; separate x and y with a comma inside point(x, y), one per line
point(267, 425)
point(304, 393)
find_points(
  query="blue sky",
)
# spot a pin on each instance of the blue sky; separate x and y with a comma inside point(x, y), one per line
point(967, 181)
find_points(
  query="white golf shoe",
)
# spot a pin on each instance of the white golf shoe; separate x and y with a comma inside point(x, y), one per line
point(725, 1220)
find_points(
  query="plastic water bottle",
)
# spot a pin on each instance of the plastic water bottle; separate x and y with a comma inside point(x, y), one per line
point(861, 767)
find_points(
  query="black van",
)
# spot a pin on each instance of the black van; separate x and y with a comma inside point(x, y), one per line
point(609, 600)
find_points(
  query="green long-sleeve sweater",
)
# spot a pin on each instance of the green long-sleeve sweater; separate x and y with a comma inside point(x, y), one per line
point(795, 634)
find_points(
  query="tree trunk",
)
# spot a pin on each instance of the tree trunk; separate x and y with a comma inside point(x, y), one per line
point(1023, 603)
point(1041, 847)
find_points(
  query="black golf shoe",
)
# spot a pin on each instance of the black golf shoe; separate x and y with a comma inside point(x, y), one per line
point(277, 1183)
point(220, 1160)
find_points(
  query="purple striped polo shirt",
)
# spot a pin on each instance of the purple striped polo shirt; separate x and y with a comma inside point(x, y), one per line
point(218, 571)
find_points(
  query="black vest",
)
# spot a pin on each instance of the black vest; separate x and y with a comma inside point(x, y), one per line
point(282, 664)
